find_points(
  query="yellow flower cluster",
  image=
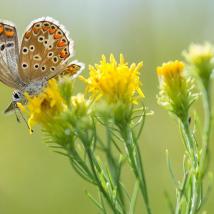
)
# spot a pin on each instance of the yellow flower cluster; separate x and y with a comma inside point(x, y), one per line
point(43, 107)
point(115, 81)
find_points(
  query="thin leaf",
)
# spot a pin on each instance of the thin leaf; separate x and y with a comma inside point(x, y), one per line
point(94, 200)
point(134, 198)
point(61, 153)
point(102, 202)
point(170, 168)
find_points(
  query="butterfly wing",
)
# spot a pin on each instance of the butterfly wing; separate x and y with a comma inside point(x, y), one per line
point(9, 56)
point(44, 51)
point(73, 69)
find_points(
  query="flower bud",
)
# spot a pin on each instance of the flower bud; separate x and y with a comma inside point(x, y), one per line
point(201, 61)
point(176, 89)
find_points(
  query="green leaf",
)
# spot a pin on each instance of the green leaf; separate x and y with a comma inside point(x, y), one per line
point(134, 198)
point(94, 201)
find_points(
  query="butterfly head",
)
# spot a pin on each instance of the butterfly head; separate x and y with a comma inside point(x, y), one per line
point(18, 97)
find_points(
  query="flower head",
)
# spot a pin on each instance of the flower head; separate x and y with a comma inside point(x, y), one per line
point(43, 107)
point(79, 104)
point(115, 81)
point(198, 54)
point(201, 60)
point(171, 70)
point(175, 88)
point(77, 117)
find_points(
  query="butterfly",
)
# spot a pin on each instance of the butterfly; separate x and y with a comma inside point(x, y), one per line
point(43, 54)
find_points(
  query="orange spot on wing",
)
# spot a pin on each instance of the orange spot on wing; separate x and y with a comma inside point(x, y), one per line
point(27, 34)
point(1, 28)
point(63, 54)
point(57, 36)
point(36, 30)
point(45, 28)
point(60, 44)
point(72, 69)
point(52, 30)
point(9, 32)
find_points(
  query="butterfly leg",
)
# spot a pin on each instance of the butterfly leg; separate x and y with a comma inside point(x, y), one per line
point(17, 117)
point(24, 120)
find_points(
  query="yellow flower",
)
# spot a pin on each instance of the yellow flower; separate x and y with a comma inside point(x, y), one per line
point(79, 104)
point(81, 112)
point(43, 107)
point(201, 61)
point(199, 53)
point(171, 70)
point(115, 81)
point(175, 88)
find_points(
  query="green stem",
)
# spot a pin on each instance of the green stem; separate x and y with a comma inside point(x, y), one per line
point(193, 189)
point(98, 182)
point(95, 167)
point(135, 161)
point(204, 163)
point(114, 168)
point(181, 193)
point(189, 141)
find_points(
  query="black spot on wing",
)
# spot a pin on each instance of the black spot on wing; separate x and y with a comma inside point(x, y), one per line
point(2, 47)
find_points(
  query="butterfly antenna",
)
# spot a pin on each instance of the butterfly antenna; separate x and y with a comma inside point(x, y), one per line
point(31, 130)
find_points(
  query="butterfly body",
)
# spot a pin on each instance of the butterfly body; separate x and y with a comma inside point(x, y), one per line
point(43, 54)
point(35, 88)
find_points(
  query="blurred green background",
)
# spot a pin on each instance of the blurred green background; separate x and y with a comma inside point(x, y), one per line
point(35, 180)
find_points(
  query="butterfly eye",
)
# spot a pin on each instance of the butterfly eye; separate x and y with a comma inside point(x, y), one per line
point(17, 96)
point(32, 48)
point(25, 50)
